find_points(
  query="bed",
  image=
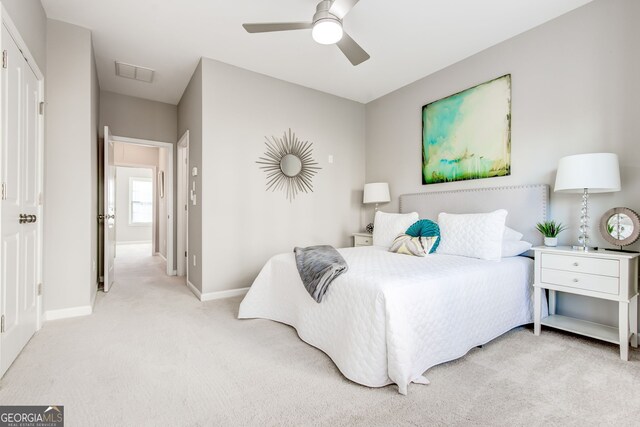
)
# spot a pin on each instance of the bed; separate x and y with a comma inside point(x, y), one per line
point(392, 317)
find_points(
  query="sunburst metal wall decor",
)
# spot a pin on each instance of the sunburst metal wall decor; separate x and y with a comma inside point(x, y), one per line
point(289, 164)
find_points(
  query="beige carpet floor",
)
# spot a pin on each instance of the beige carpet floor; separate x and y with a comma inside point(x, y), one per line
point(151, 354)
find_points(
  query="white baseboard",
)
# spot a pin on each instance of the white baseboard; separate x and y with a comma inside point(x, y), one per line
point(95, 295)
point(210, 296)
point(161, 256)
point(65, 313)
point(223, 294)
point(195, 290)
point(135, 242)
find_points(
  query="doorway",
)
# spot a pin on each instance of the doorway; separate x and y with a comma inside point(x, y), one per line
point(183, 198)
point(138, 204)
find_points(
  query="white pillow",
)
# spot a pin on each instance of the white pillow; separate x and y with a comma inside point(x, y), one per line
point(514, 247)
point(511, 234)
point(472, 235)
point(387, 226)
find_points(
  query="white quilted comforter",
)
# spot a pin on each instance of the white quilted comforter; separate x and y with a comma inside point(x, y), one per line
point(391, 317)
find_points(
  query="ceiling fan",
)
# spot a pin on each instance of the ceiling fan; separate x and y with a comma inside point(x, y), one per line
point(326, 28)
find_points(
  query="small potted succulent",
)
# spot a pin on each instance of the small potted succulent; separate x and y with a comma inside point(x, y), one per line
point(550, 231)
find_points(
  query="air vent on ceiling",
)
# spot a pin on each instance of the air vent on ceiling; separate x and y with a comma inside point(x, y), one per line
point(134, 72)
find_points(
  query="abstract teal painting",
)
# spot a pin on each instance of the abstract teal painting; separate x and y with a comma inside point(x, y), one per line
point(468, 135)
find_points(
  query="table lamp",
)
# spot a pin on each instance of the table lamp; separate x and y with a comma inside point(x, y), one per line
point(587, 173)
point(376, 192)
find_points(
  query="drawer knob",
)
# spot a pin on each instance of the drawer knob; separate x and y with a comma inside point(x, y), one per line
point(576, 280)
point(576, 264)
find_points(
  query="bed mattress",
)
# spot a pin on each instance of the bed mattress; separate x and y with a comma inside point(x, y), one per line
point(391, 317)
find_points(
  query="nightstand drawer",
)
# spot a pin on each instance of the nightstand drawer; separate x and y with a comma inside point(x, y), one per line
point(599, 266)
point(589, 282)
point(362, 241)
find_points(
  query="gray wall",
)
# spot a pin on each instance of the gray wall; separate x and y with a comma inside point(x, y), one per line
point(124, 231)
point(242, 224)
point(70, 177)
point(190, 118)
point(138, 118)
point(31, 21)
point(575, 90)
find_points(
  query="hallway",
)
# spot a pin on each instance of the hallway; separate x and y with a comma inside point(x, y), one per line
point(136, 261)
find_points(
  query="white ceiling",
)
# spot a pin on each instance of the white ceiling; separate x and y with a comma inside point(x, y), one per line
point(407, 39)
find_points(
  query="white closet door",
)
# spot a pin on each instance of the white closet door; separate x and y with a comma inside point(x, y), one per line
point(29, 201)
point(18, 239)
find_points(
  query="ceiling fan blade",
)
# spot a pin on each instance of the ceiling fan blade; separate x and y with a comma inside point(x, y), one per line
point(280, 26)
point(352, 50)
point(340, 8)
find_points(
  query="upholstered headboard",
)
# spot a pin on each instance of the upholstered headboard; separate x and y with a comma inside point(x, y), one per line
point(526, 204)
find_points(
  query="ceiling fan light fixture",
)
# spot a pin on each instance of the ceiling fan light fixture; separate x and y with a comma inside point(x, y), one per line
point(327, 31)
point(326, 28)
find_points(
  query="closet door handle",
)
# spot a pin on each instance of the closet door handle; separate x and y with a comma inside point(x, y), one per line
point(27, 219)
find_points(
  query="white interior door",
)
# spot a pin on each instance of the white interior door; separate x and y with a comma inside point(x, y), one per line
point(109, 210)
point(19, 235)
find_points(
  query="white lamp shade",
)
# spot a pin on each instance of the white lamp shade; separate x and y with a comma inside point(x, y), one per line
point(597, 172)
point(376, 192)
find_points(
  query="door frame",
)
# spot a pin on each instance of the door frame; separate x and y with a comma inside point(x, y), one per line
point(168, 191)
point(6, 20)
point(182, 197)
point(155, 197)
point(109, 208)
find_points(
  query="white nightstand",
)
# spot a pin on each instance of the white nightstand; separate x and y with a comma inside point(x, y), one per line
point(362, 239)
point(600, 274)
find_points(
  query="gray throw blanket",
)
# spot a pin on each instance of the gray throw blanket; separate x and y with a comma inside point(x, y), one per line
point(318, 266)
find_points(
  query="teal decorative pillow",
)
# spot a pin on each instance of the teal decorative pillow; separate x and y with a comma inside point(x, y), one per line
point(425, 228)
point(416, 246)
